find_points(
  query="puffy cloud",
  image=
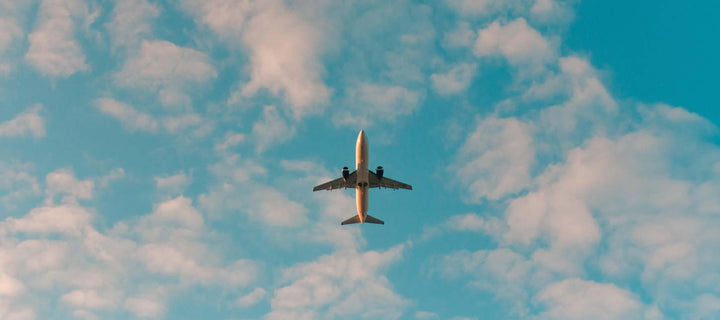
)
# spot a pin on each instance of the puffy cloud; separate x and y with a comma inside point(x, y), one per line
point(425, 315)
point(626, 207)
point(455, 80)
point(172, 184)
point(505, 273)
point(462, 36)
point(91, 299)
point(10, 286)
point(578, 299)
point(54, 51)
point(339, 285)
point(65, 219)
point(495, 159)
point(166, 68)
point(10, 33)
point(179, 212)
point(275, 209)
point(131, 119)
point(231, 139)
point(374, 103)
point(284, 57)
point(114, 175)
point(284, 48)
point(56, 253)
point(518, 42)
point(131, 22)
point(29, 122)
point(251, 298)
point(588, 107)
point(470, 222)
point(483, 7)
point(271, 129)
point(145, 306)
point(17, 183)
point(552, 12)
point(226, 17)
point(176, 124)
point(63, 182)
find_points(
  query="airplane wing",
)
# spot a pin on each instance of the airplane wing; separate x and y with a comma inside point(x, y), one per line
point(338, 183)
point(386, 182)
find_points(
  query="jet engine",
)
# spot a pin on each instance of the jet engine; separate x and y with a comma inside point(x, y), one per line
point(379, 172)
point(345, 173)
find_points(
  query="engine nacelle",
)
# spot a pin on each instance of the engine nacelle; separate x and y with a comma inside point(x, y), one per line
point(345, 173)
point(379, 172)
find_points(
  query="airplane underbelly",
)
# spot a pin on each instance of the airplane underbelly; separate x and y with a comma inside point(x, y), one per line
point(362, 201)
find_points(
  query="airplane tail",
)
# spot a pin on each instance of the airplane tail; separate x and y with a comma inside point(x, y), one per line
point(371, 219)
point(368, 219)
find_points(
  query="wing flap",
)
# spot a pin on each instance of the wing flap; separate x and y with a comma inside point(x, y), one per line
point(338, 183)
point(386, 182)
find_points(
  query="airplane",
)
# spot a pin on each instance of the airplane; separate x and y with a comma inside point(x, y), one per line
point(361, 179)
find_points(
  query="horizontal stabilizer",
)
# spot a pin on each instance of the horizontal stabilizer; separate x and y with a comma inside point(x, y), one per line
point(371, 219)
point(354, 219)
point(368, 219)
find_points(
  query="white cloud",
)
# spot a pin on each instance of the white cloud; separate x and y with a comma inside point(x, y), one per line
point(226, 17)
point(29, 122)
point(114, 175)
point(231, 139)
point(145, 306)
point(178, 212)
point(551, 12)
point(518, 42)
point(284, 46)
point(505, 273)
point(285, 58)
point(271, 129)
point(131, 22)
point(177, 124)
point(63, 182)
point(455, 80)
point(579, 299)
point(54, 51)
point(91, 299)
point(275, 209)
point(625, 207)
point(339, 285)
point(425, 315)
point(483, 7)
point(462, 36)
point(54, 253)
point(251, 298)
point(168, 69)
point(65, 219)
point(470, 222)
point(173, 184)
point(85, 315)
point(10, 33)
point(17, 183)
point(10, 286)
point(130, 118)
point(495, 159)
point(375, 103)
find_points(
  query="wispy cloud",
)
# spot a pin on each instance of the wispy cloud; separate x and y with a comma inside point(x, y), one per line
point(29, 122)
point(54, 50)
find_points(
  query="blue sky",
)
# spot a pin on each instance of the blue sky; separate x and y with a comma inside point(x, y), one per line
point(158, 159)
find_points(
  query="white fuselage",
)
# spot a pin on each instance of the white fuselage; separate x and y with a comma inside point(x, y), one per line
point(361, 165)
